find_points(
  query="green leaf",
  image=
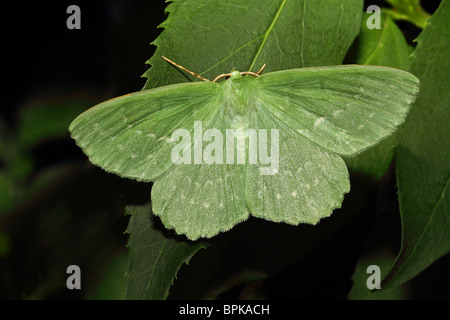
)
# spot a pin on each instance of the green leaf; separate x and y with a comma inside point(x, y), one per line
point(384, 47)
point(361, 292)
point(112, 282)
point(211, 37)
point(6, 200)
point(155, 258)
point(15, 165)
point(41, 182)
point(409, 10)
point(423, 170)
point(47, 118)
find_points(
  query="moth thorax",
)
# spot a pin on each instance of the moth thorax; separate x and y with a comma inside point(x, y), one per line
point(235, 75)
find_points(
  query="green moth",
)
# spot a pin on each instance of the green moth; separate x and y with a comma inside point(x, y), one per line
point(263, 145)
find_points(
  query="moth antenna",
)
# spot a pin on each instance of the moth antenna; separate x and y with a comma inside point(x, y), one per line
point(262, 68)
point(183, 68)
point(250, 73)
point(220, 76)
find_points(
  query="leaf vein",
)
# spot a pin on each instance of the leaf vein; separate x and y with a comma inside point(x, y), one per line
point(266, 34)
point(154, 267)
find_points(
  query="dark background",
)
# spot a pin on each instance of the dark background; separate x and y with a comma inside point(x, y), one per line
point(77, 216)
point(42, 56)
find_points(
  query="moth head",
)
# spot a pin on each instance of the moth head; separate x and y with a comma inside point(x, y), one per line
point(235, 74)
